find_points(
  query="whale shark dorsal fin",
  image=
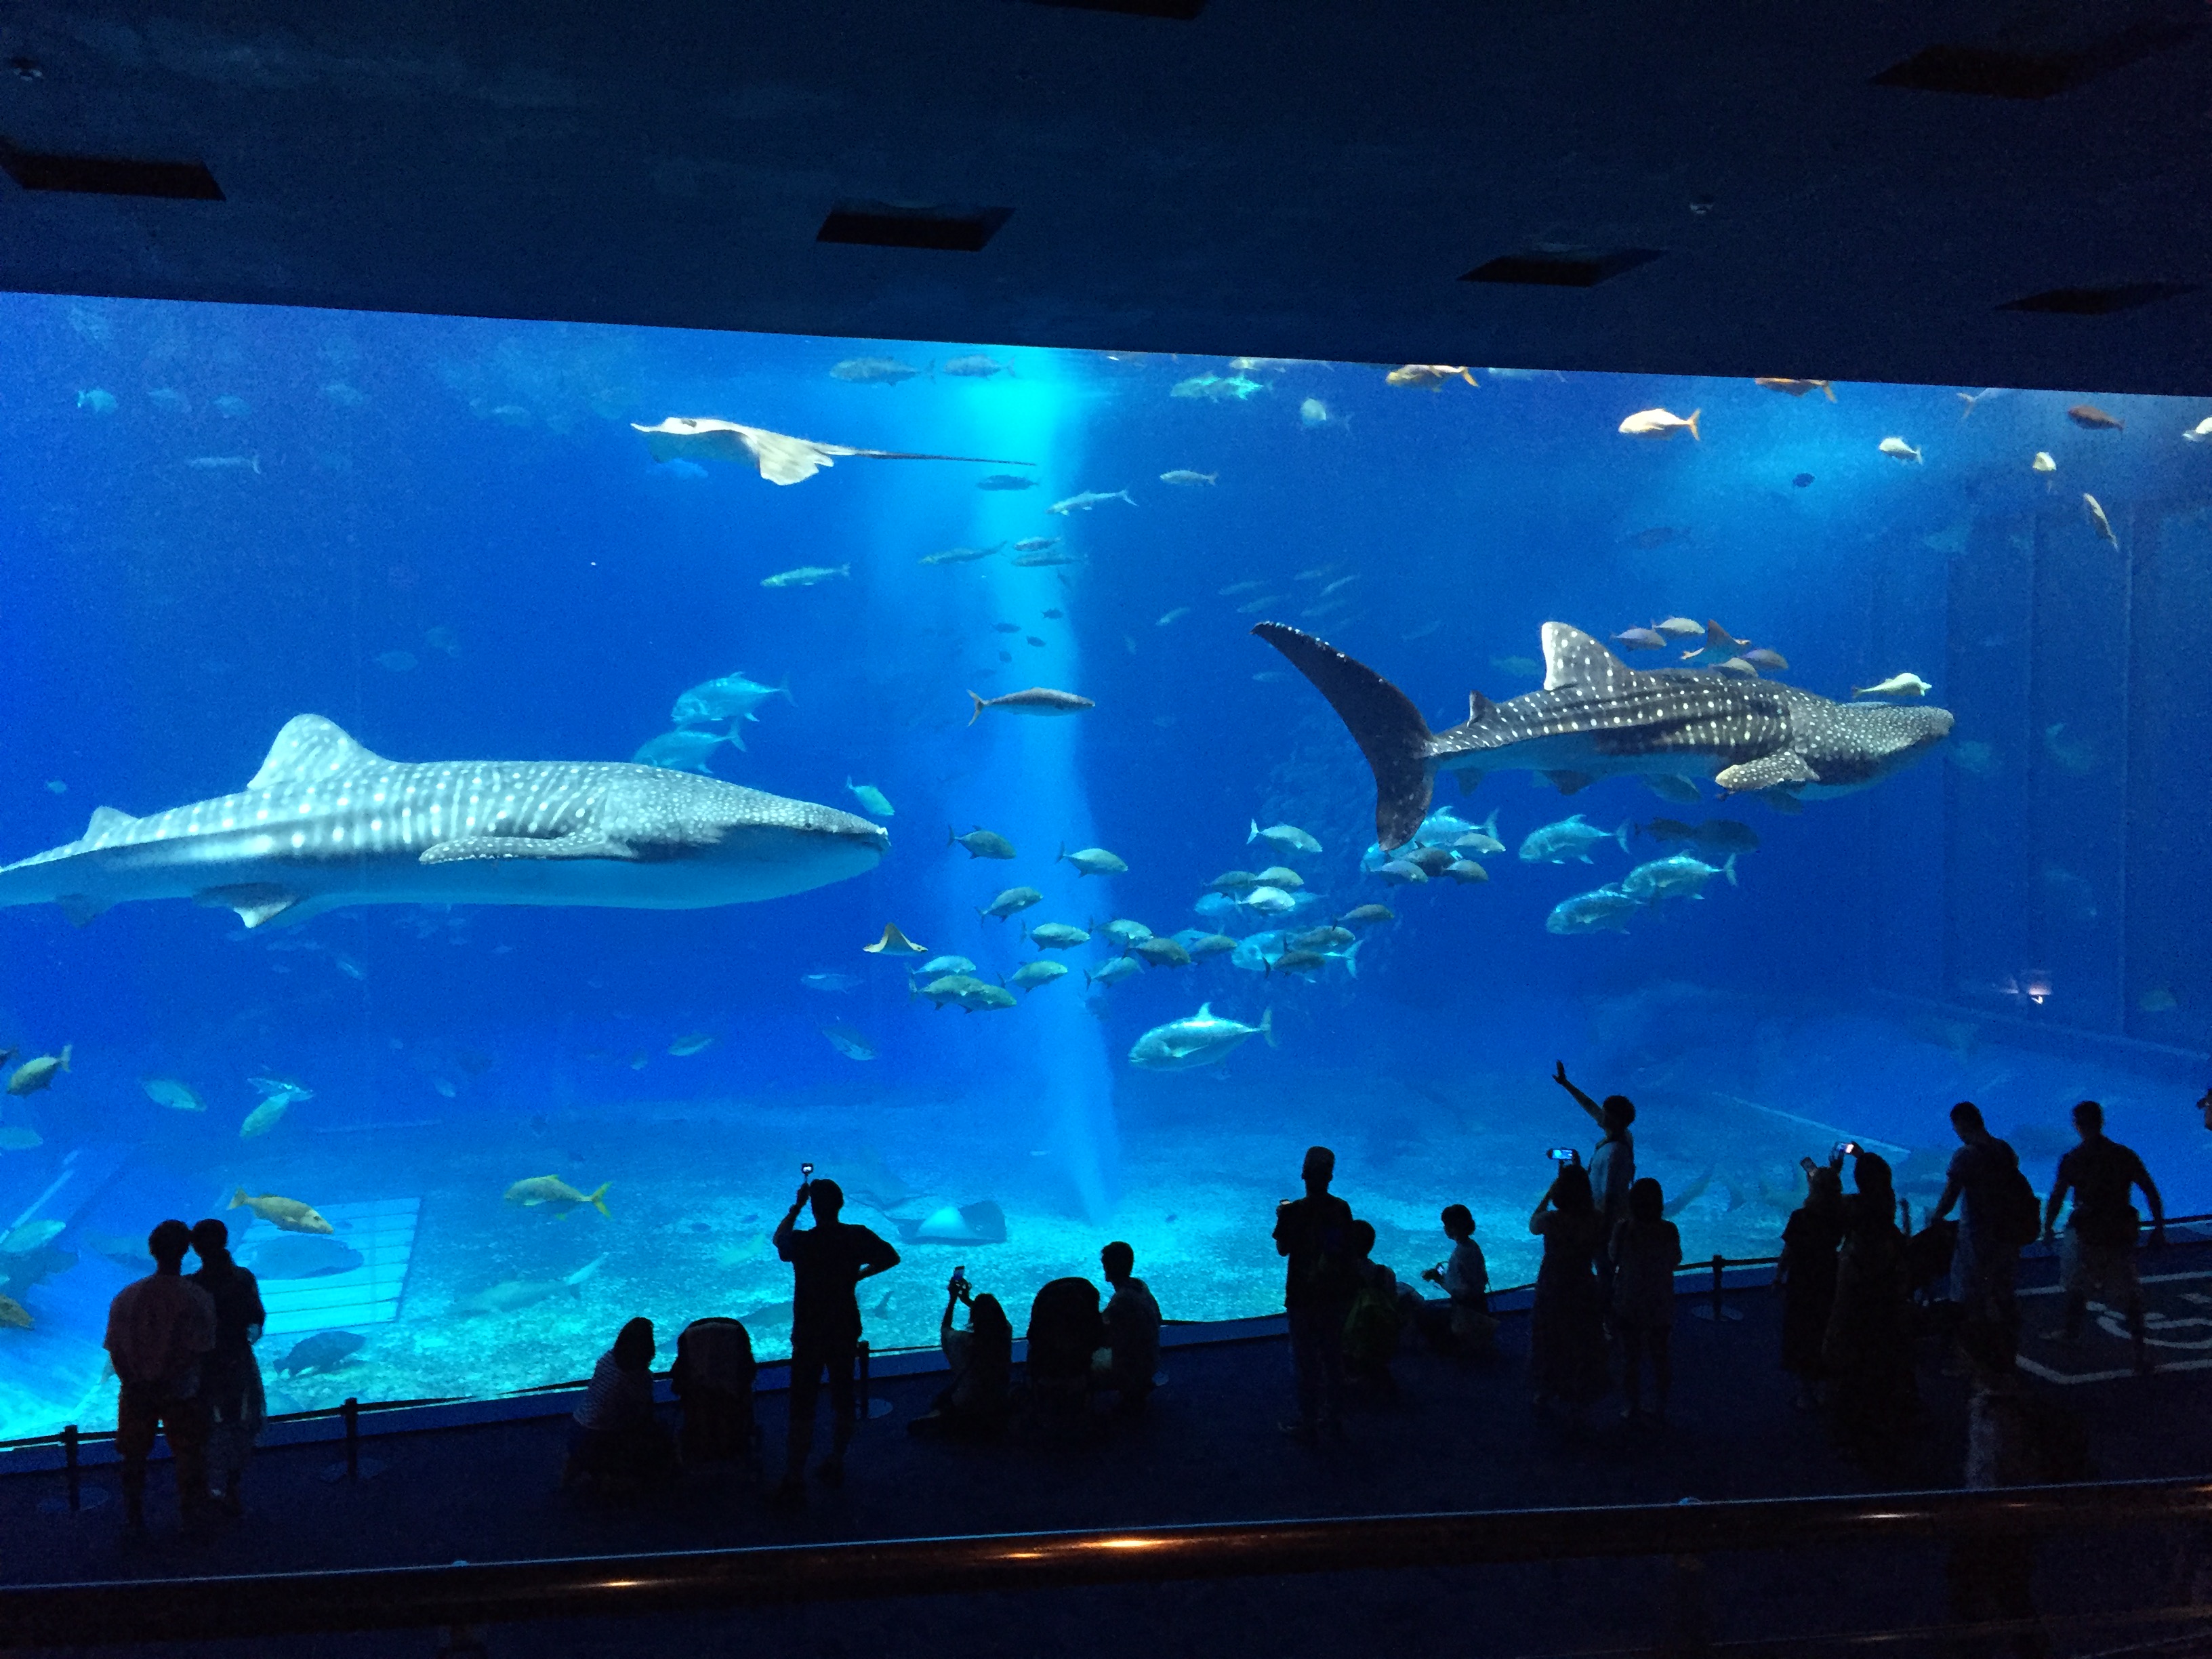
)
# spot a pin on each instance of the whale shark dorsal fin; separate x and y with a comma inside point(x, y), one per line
point(1573, 658)
point(308, 748)
point(106, 821)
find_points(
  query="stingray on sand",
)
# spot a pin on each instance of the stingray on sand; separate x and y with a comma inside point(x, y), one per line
point(782, 458)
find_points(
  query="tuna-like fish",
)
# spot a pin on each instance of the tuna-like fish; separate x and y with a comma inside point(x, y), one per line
point(508, 1296)
point(551, 1193)
point(1204, 1038)
point(1085, 500)
point(730, 698)
point(1282, 837)
point(286, 1214)
point(1606, 909)
point(1570, 838)
point(1596, 717)
point(1038, 700)
point(1678, 877)
point(326, 823)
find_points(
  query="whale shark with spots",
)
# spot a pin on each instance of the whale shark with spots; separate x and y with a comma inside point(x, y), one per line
point(1596, 717)
point(326, 823)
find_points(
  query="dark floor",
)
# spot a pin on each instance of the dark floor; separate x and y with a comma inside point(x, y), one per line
point(1456, 1437)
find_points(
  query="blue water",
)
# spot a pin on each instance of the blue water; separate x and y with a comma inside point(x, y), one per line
point(445, 536)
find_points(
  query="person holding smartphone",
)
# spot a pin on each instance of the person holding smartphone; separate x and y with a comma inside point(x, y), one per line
point(1567, 1361)
point(828, 1261)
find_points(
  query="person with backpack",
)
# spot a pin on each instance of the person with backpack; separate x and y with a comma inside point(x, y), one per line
point(1998, 1218)
point(2099, 1255)
point(1320, 1280)
point(1371, 1328)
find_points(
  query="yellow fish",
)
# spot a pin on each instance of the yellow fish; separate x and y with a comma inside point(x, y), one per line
point(2043, 463)
point(1660, 423)
point(1896, 446)
point(286, 1214)
point(556, 1194)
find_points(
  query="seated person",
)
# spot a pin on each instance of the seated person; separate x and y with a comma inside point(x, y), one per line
point(982, 1360)
point(1065, 1331)
point(1462, 1324)
point(712, 1380)
point(616, 1437)
point(1371, 1330)
point(1132, 1353)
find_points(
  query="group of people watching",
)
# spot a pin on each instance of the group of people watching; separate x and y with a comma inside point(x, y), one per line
point(1077, 1349)
point(1856, 1281)
point(182, 1348)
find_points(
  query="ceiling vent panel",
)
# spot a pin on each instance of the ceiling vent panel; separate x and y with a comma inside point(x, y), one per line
point(1545, 267)
point(2040, 60)
point(109, 175)
point(2099, 301)
point(1181, 10)
point(890, 224)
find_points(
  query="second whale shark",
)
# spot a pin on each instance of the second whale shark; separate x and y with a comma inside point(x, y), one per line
point(1596, 717)
point(326, 823)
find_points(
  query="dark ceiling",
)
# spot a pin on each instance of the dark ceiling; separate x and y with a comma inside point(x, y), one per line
point(1292, 177)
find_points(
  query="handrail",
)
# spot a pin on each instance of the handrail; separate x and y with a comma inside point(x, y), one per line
point(389, 1598)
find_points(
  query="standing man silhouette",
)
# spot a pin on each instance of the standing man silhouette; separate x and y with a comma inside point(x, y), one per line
point(828, 1261)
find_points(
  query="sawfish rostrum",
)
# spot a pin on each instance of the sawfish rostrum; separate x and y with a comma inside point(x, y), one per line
point(1596, 717)
point(326, 823)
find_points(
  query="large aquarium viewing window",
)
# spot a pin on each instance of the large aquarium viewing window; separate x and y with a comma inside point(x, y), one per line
point(484, 802)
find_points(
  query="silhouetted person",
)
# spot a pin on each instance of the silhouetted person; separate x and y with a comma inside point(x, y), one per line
point(1567, 1363)
point(713, 1381)
point(828, 1260)
point(1319, 1283)
point(2099, 1257)
point(158, 1329)
point(1371, 1328)
point(1807, 1274)
point(617, 1437)
point(1462, 1324)
point(1867, 1350)
point(1065, 1331)
point(1986, 1265)
point(1611, 1165)
point(1647, 1248)
point(1133, 1330)
point(230, 1378)
point(975, 1402)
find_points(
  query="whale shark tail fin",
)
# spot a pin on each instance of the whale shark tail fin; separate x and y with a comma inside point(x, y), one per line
point(1381, 719)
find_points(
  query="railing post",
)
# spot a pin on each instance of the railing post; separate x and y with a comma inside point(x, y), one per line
point(69, 1464)
point(351, 1412)
point(1716, 1310)
point(1689, 1614)
point(864, 1403)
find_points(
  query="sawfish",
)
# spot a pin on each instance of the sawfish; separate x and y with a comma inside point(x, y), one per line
point(1596, 717)
point(326, 823)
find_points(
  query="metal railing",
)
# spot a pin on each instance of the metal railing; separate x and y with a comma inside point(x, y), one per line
point(625, 1586)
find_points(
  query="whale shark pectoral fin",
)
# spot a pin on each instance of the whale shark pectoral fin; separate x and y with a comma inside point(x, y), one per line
point(257, 902)
point(1468, 777)
point(582, 844)
point(81, 908)
point(1568, 783)
point(1768, 772)
point(1669, 787)
point(309, 748)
